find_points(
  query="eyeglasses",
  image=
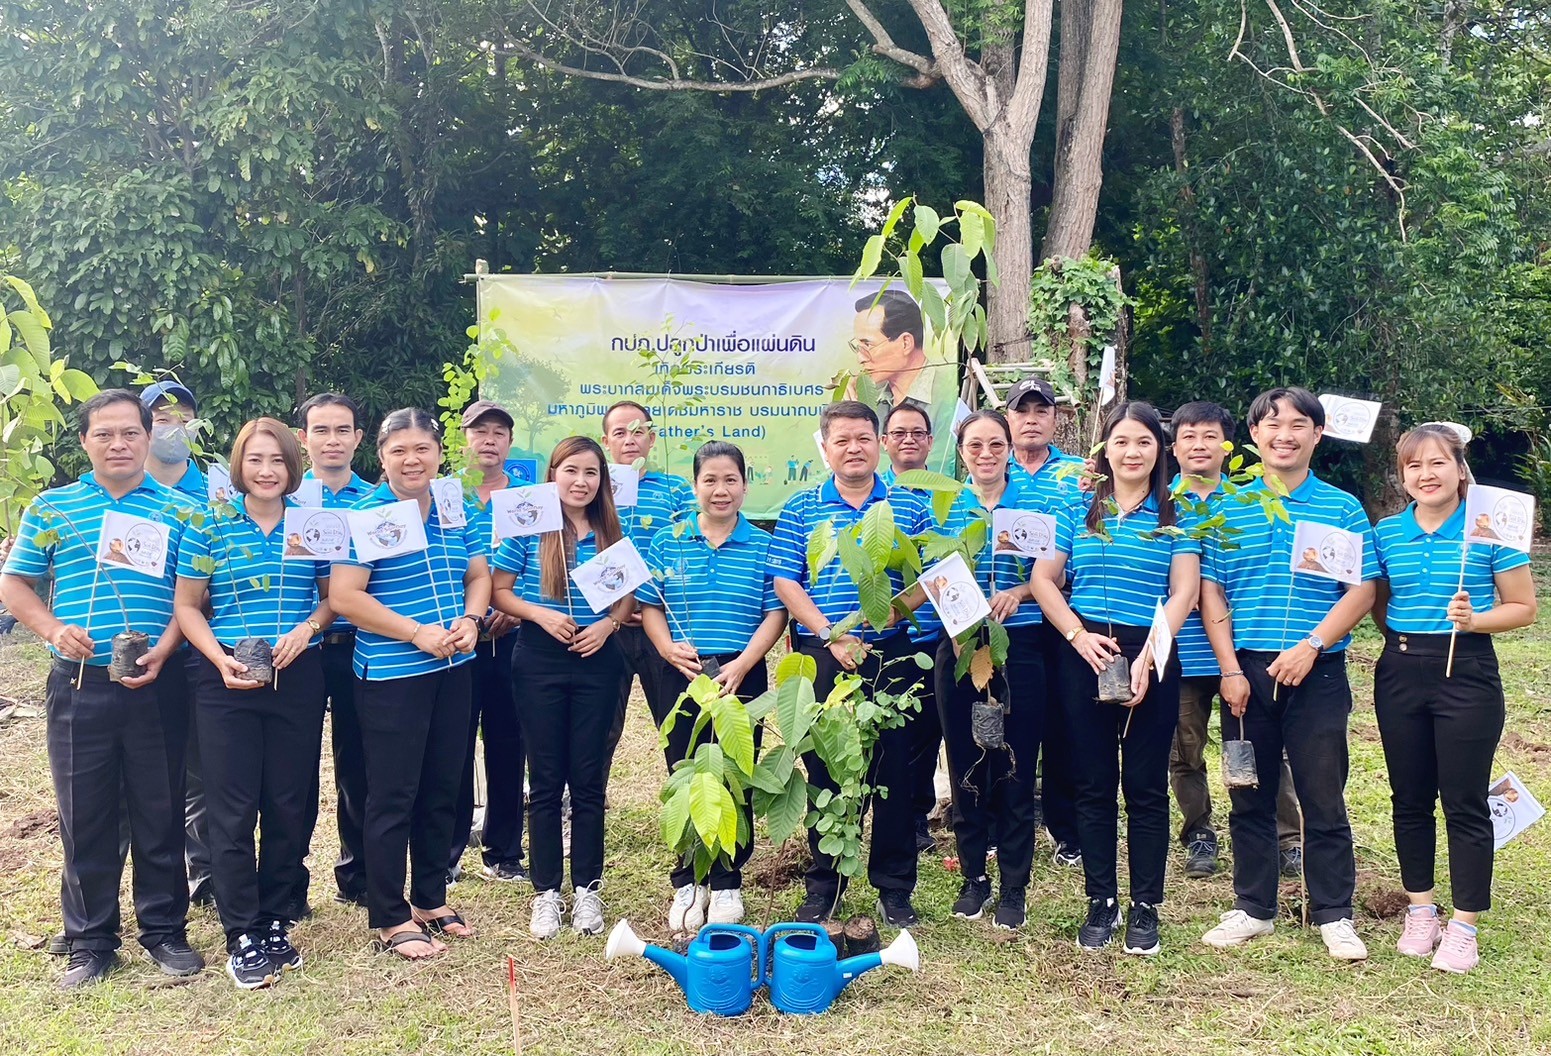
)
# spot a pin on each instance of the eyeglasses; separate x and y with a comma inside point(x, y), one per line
point(977, 447)
point(867, 344)
point(899, 436)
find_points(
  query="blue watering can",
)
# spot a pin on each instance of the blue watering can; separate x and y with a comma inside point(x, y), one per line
point(724, 966)
point(805, 973)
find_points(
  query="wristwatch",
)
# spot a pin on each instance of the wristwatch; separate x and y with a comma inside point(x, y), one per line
point(317, 628)
point(1072, 634)
point(1315, 642)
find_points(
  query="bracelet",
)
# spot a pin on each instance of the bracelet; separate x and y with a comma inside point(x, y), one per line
point(1234, 674)
point(615, 621)
point(414, 632)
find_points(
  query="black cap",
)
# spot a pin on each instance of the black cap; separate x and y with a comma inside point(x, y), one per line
point(1037, 388)
point(482, 408)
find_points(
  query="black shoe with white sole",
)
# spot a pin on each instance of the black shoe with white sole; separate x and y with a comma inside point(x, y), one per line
point(1099, 929)
point(895, 908)
point(817, 908)
point(249, 967)
point(1142, 930)
point(276, 945)
point(1010, 912)
point(177, 957)
point(506, 872)
point(87, 967)
point(1201, 856)
point(973, 899)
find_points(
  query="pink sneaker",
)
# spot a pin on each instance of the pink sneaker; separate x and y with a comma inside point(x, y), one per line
point(1457, 952)
point(1421, 934)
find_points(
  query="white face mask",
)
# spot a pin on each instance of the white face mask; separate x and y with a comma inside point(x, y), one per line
point(170, 444)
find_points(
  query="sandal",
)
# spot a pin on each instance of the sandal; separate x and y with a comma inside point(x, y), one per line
point(402, 938)
point(439, 925)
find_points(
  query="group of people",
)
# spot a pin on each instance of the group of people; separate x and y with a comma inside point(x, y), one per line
point(187, 762)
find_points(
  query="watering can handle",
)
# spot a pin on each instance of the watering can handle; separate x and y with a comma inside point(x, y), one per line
point(770, 933)
point(758, 943)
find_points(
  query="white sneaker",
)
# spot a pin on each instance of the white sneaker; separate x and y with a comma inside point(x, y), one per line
point(548, 908)
point(587, 910)
point(1235, 928)
point(726, 907)
point(687, 912)
point(1342, 941)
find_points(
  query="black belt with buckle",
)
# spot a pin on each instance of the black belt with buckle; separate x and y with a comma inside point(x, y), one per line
point(339, 638)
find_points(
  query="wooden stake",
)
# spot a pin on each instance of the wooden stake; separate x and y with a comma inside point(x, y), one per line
point(511, 1001)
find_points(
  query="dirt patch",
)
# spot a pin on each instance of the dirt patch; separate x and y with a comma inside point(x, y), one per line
point(37, 823)
point(781, 868)
point(1514, 742)
point(1379, 898)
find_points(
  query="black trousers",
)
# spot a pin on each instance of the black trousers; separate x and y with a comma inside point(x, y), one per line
point(724, 875)
point(567, 706)
point(1439, 738)
point(260, 749)
point(993, 790)
point(640, 659)
point(926, 741)
point(891, 860)
point(174, 689)
point(1106, 758)
point(494, 708)
point(413, 731)
point(110, 757)
point(1309, 721)
point(1057, 787)
point(349, 771)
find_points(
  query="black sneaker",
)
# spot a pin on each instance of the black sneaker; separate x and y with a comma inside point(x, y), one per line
point(1010, 914)
point(454, 875)
point(1099, 930)
point(817, 908)
point(1201, 857)
point(296, 913)
point(346, 898)
point(924, 842)
point(1292, 863)
point(58, 945)
point(86, 967)
point(276, 945)
point(202, 894)
point(973, 899)
point(507, 872)
point(895, 908)
point(1142, 929)
point(177, 957)
point(1067, 857)
point(249, 967)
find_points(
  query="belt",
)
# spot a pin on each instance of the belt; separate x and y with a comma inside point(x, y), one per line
point(1438, 644)
point(89, 673)
point(1267, 655)
point(339, 638)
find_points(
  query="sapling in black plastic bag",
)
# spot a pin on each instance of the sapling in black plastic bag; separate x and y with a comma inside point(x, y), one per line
point(1238, 762)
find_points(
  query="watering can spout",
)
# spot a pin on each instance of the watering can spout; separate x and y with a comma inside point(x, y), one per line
point(623, 942)
point(902, 953)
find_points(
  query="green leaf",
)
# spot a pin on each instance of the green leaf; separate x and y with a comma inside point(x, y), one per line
point(794, 709)
point(705, 806)
point(675, 815)
point(735, 733)
point(894, 214)
point(796, 665)
point(935, 309)
point(872, 256)
point(34, 336)
point(871, 585)
point(927, 222)
point(955, 267)
point(876, 533)
point(821, 549)
point(971, 234)
point(999, 642)
point(910, 268)
point(784, 813)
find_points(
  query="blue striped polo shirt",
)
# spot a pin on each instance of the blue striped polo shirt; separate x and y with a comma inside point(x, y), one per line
point(661, 499)
point(1046, 486)
point(1123, 580)
point(995, 571)
point(927, 625)
point(242, 604)
point(426, 587)
point(1196, 659)
point(194, 485)
point(523, 558)
point(354, 491)
point(1272, 608)
point(1423, 570)
point(83, 596)
point(715, 597)
point(834, 593)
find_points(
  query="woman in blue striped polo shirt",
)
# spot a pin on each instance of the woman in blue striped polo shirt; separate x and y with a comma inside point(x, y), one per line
point(567, 668)
point(1124, 553)
point(993, 789)
point(417, 616)
point(259, 747)
point(710, 608)
point(1440, 728)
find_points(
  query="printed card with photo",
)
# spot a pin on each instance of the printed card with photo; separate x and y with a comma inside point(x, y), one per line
point(1349, 419)
point(531, 510)
point(1160, 638)
point(953, 592)
point(1513, 808)
point(218, 484)
point(447, 493)
point(1023, 532)
point(626, 483)
point(308, 493)
point(315, 534)
point(1327, 551)
point(389, 530)
point(615, 572)
point(134, 542)
point(522, 471)
point(1499, 517)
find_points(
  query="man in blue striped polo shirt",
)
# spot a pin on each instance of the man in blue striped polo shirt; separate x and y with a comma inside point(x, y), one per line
point(329, 426)
point(1281, 641)
point(108, 748)
point(850, 435)
point(661, 499)
point(1200, 431)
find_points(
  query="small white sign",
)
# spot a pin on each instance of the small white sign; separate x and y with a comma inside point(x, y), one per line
point(1499, 517)
point(308, 493)
point(134, 543)
point(447, 493)
point(953, 592)
point(615, 572)
point(1328, 552)
point(1349, 419)
point(218, 484)
point(532, 510)
point(1160, 638)
point(961, 411)
point(818, 442)
point(1513, 809)
point(388, 530)
point(1107, 376)
point(1023, 532)
point(315, 534)
point(626, 482)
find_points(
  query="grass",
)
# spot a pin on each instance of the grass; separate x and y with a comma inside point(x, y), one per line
point(978, 992)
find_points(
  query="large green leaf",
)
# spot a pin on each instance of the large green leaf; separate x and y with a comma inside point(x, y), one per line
point(794, 709)
point(821, 549)
point(706, 796)
point(871, 585)
point(876, 533)
point(34, 336)
point(675, 815)
point(735, 733)
point(785, 811)
point(796, 665)
point(927, 222)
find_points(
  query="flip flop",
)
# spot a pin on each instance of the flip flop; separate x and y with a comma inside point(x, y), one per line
point(439, 925)
point(402, 938)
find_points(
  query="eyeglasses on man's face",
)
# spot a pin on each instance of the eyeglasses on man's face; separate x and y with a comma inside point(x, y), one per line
point(899, 436)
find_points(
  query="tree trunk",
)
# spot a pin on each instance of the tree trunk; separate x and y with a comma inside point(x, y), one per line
point(1191, 232)
point(1090, 46)
point(1008, 187)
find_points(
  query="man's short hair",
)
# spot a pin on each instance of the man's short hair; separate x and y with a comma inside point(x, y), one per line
point(328, 399)
point(901, 314)
point(1299, 399)
point(1203, 412)
point(645, 414)
point(107, 398)
point(914, 407)
point(847, 410)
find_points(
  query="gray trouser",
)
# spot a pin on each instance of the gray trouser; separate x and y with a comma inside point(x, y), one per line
point(1187, 769)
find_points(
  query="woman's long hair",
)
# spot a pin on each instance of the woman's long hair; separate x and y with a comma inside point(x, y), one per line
point(557, 550)
point(1145, 413)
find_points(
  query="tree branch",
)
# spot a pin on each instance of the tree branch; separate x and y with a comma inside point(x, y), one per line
point(883, 43)
point(963, 75)
point(670, 84)
point(1029, 89)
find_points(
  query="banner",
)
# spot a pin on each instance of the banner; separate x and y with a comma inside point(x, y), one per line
point(751, 364)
